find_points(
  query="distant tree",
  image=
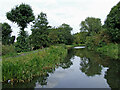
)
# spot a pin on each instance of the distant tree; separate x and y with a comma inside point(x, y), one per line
point(65, 34)
point(22, 15)
point(112, 23)
point(39, 36)
point(91, 25)
point(53, 36)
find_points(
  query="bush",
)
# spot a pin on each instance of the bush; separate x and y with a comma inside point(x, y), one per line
point(110, 50)
point(8, 50)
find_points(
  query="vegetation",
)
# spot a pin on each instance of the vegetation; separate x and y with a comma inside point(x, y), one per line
point(110, 50)
point(80, 38)
point(91, 25)
point(25, 68)
point(112, 23)
point(22, 15)
point(8, 50)
point(103, 39)
point(6, 34)
point(95, 36)
point(40, 31)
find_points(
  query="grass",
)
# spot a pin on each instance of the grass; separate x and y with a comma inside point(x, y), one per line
point(110, 50)
point(25, 68)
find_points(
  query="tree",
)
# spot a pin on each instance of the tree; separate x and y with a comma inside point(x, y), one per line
point(6, 33)
point(112, 23)
point(22, 44)
point(65, 34)
point(40, 31)
point(91, 25)
point(80, 38)
point(22, 15)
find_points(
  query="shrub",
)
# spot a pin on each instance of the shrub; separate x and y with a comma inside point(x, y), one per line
point(8, 50)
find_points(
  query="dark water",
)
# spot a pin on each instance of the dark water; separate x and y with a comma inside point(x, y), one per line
point(80, 69)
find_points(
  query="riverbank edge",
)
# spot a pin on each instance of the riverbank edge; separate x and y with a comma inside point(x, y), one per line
point(111, 50)
point(25, 68)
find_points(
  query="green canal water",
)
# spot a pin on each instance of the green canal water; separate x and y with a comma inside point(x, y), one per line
point(80, 69)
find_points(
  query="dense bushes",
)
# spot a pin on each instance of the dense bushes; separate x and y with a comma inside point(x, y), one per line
point(110, 50)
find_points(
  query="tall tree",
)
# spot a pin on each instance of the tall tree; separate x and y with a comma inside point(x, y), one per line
point(40, 31)
point(22, 15)
point(91, 25)
point(112, 23)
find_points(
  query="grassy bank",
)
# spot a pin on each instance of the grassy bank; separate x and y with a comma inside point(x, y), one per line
point(26, 67)
point(110, 50)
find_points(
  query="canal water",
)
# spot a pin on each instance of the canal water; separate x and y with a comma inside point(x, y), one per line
point(80, 69)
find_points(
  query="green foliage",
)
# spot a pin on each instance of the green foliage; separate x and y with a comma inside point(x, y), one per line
point(80, 38)
point(98, 40)
point(110, 50)
point(39, 34)
point(22, 15)
point(8, 50)
point(22, 44)
point(65, 34)
point(112, 23)
point(12, 39)
point(91, 25)
point(25, 68)
point(6, 34)
point(60, 35)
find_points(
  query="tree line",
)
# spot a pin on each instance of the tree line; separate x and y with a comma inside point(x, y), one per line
point(42, 35)
point(92, 32)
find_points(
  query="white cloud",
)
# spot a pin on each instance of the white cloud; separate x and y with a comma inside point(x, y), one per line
point(71, 12)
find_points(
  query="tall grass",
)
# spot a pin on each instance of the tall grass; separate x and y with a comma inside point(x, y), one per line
point(25, 68)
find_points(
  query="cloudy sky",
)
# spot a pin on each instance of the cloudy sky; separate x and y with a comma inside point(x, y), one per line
point(71, 12)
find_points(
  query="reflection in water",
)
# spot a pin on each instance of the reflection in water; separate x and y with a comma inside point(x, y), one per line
point(89, 67)
point(81, 68)
point(67, 62)
point(113, 74)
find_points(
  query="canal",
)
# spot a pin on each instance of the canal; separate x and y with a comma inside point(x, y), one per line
point(80, 69)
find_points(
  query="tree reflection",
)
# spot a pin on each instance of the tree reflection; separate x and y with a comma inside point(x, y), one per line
point(89, 62)
point(113, 74)
point(66, 63)
point(89, 67)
